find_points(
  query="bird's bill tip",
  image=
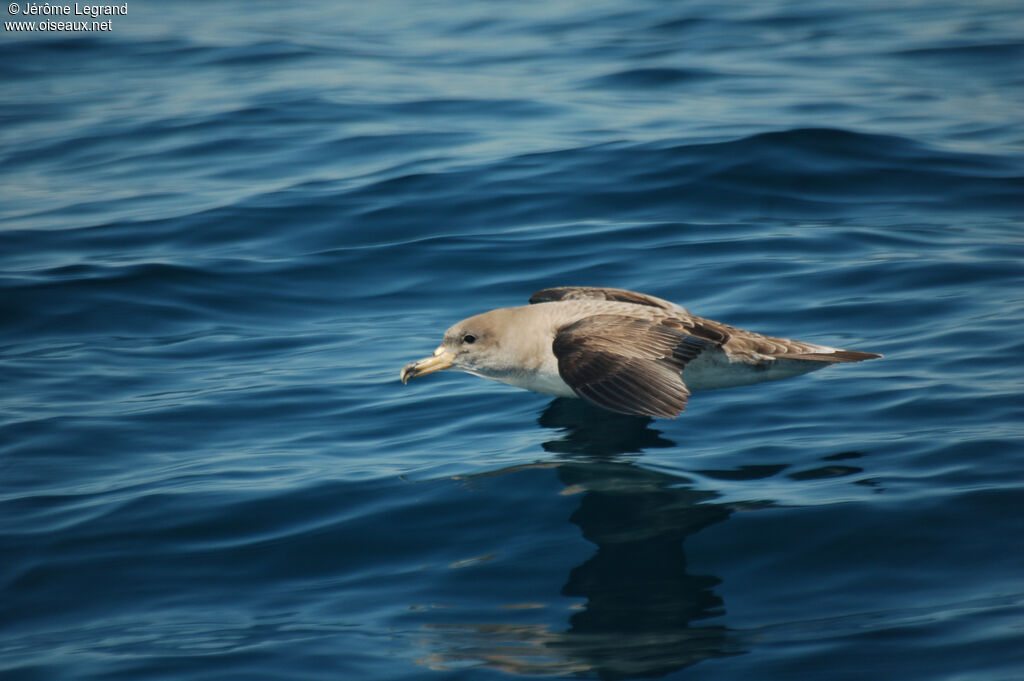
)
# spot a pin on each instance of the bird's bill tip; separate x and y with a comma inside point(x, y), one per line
point(441, 359)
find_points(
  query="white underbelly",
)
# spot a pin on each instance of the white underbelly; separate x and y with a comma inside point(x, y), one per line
point(541, 382)
point(714, 370)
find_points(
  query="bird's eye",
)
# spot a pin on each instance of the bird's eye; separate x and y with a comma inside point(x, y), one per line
point(469, 339)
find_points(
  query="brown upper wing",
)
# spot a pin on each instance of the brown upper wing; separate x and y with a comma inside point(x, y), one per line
point(755, 347)
point(626, 364)
point(599, 293)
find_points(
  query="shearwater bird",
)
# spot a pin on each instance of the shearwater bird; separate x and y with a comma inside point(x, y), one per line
point(624, 351)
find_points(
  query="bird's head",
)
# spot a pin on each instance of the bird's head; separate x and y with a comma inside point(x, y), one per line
point(472, 345)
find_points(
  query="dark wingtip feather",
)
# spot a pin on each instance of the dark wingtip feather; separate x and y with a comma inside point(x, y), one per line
point(837, 356)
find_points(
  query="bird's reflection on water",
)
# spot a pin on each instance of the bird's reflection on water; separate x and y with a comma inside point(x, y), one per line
point(642, 613)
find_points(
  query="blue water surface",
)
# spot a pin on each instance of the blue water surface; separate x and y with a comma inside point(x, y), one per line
point(225, 226)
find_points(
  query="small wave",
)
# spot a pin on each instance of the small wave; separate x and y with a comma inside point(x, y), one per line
point(651, 78)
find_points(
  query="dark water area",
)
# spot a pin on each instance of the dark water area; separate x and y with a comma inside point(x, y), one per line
point(224, 228)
